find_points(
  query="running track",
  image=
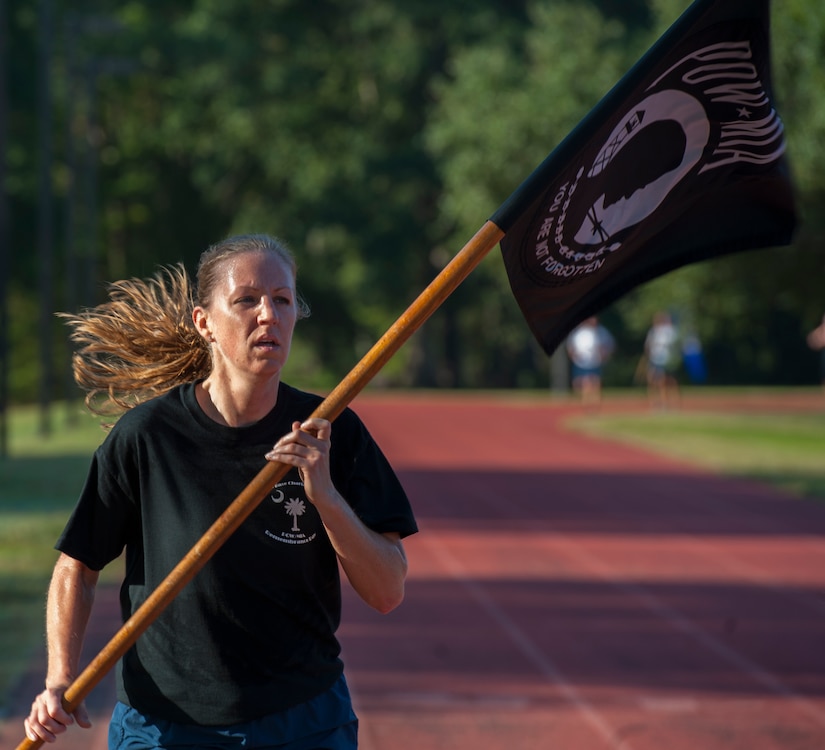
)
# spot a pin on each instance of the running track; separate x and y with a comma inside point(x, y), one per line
point(570, 593)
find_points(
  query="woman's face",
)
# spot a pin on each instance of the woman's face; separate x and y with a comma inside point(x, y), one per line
point(251, 315)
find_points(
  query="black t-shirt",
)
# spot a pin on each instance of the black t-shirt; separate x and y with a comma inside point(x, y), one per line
point(254, 631)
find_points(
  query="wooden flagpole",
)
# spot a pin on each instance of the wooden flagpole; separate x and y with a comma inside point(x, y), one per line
point(416, 314)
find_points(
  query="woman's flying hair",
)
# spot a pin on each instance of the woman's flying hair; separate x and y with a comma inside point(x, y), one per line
point(142, 342)
point(139, 344)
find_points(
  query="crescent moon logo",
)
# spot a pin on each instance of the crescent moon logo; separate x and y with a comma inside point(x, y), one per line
point(604, 219)
point(278, 497)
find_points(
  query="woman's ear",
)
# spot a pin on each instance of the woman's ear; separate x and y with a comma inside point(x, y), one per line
point(201, 321)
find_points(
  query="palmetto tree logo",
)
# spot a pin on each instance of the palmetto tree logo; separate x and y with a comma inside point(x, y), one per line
point(295, 507)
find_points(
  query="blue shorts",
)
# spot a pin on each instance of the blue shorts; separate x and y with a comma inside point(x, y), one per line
point(586, 372)
point(303, 727)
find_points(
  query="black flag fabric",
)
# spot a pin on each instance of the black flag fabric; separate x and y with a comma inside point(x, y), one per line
point(683, 160)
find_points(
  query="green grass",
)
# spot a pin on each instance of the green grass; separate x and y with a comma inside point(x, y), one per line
point(785, 450)
point(39, 483)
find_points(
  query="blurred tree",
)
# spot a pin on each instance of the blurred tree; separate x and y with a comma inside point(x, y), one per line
point(506, 104)
point(306, 123)
point(376, 138)
point(5, 248)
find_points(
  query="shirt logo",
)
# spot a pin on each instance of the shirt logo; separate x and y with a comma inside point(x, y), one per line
point(297, 517)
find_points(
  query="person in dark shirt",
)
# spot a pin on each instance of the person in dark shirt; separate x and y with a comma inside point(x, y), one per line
point(247, 650)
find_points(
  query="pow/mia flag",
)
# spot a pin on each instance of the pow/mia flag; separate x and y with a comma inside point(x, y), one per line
point(683, 160)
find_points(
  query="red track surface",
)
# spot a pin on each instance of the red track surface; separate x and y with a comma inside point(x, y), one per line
point(570, 593)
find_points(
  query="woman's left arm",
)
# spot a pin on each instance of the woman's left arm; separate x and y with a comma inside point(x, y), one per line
point(374, 563)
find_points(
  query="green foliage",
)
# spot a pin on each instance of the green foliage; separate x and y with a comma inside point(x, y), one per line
point(505, 104)
point(375, 138)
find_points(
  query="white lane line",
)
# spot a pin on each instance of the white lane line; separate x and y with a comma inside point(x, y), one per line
point(680, 622)
point(754, 574)
point(526, 646)
point(676, 619)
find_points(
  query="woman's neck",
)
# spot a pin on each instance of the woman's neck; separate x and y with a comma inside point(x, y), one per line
point(237, 404)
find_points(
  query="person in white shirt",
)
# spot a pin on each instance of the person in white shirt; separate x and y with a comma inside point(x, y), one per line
point(589, 347)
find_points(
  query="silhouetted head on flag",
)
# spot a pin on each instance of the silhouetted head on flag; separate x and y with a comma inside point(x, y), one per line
point(683, 160)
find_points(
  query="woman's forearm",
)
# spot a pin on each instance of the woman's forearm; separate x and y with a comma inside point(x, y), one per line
point(375, 564)
point(69, 605)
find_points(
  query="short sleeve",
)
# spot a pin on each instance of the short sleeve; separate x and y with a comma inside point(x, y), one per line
point(371, 486)
point(98, 527)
